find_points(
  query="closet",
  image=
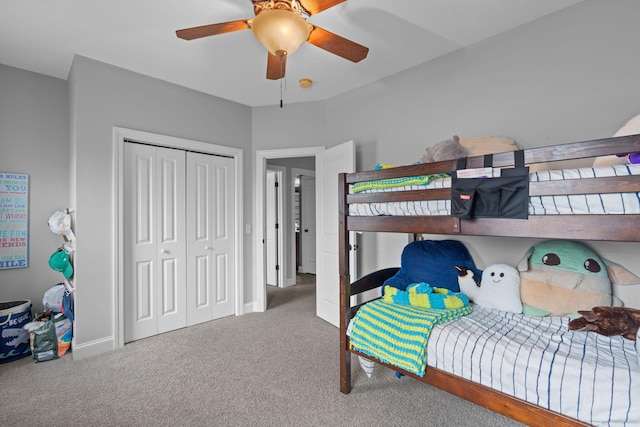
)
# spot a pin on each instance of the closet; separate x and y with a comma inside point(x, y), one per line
point(179, 246)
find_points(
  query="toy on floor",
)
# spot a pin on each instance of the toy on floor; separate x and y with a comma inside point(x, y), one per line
point(499, 287)
point(608, 321)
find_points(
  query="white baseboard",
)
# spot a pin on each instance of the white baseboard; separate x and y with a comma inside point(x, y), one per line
point(92, 348)
point(252, 307)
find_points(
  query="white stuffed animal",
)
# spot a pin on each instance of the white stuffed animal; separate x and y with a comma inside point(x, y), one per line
point(499, 287)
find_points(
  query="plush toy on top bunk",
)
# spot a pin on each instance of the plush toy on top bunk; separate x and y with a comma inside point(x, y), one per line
point(632, 127)
point(457, 147)
point(498, 288)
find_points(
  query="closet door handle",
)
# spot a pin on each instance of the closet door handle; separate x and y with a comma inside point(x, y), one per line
point(164, 251)
point(208, 248)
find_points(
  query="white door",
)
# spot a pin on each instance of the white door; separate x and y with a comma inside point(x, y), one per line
point(329, 164)
point(155, 252)
point(308, 224)
point(271, 244)
point(210, 221)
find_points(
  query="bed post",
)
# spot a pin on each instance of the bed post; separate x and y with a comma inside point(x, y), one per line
point(345, 285)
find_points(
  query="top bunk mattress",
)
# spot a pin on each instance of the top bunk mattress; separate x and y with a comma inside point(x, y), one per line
point(576, 204)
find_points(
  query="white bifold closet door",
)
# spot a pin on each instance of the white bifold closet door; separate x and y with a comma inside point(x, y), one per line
point(179, 251)
point(210, 238)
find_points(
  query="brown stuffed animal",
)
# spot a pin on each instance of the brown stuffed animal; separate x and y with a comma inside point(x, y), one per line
point(608, 321)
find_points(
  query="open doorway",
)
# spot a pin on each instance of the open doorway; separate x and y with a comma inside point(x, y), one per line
point(329, 163)
point(292, 162)
point(302, 197)
point(290, 235)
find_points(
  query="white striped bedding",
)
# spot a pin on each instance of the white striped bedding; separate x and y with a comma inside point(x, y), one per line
point(613, 203)
point(584, 375)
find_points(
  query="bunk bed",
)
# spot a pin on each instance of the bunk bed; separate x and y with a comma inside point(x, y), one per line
point(355, 215)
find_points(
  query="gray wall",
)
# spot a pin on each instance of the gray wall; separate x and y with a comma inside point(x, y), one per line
point(567, 77)
point(33, 141)
point(103, 96)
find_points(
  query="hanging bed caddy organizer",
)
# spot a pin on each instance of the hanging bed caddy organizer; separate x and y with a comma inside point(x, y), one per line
point(490, 193)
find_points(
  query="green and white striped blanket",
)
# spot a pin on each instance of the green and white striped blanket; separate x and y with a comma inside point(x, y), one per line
point(389, 183)
point(397, 334)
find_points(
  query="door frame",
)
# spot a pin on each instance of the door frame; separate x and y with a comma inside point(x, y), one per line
point(281, 178)
point(294, 173)
point(120, 135)
point(308, 240)
point(259, 254)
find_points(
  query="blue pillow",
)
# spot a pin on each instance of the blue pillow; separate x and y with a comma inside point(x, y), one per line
point(432, 262)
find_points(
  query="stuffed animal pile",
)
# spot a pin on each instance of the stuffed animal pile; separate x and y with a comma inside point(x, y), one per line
point(554, 278)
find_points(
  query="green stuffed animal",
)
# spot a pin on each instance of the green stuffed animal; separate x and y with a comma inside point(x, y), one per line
point(562, 277)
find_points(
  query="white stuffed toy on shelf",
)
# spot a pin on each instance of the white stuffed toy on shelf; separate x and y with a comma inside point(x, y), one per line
point(499, 287)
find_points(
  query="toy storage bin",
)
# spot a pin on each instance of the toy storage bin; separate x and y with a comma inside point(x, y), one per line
point(14, 340)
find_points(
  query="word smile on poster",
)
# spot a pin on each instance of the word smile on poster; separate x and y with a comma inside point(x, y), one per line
point(14, 220)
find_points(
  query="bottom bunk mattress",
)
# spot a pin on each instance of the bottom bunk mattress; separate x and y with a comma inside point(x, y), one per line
point(583, 375)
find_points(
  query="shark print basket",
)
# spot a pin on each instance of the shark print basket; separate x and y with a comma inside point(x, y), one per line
point(14, 340)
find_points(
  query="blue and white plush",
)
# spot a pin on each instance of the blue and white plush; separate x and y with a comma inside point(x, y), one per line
point(432, 262)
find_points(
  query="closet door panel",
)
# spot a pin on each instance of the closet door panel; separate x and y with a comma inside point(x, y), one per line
point(140, 252)
point(222, 291)
point(144, 295)
point(171, 241)
point(210, 242)
point(202, 279)
point(199, 251)
point(155, 252)
point(179, 230)
point(224, 243)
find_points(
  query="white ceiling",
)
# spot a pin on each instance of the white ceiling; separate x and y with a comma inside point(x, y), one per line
point(139, 35)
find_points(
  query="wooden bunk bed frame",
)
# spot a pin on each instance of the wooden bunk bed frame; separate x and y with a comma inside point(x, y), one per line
point(623, 228)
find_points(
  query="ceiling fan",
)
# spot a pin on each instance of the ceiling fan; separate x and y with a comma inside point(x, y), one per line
point(281, 26)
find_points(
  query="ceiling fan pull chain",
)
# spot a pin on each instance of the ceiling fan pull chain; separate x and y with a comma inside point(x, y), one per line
point(281, 92)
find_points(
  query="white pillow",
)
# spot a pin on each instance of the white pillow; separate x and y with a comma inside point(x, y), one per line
point(632, 127)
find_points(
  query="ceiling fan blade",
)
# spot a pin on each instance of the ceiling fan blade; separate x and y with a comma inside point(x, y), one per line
point(316, 6)
point(276, 66)
point(212, 29)
point(337, 45)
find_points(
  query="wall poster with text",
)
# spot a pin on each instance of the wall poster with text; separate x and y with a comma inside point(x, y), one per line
point(14, 220)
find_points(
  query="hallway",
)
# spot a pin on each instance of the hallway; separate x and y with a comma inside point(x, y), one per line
point(305, 285)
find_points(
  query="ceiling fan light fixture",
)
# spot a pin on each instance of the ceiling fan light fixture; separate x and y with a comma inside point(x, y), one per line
point(280, 31)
